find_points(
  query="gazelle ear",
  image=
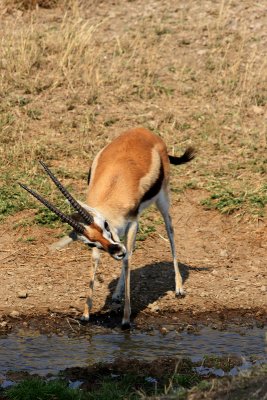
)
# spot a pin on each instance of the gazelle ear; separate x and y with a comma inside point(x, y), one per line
point(76, 217)
point(64, 241)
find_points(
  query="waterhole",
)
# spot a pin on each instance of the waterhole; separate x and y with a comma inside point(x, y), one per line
point(33, 352)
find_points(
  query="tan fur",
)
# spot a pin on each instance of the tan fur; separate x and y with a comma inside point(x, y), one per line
point(126, 176)
point(95, 234)
point(123, 170)
point(147, 180)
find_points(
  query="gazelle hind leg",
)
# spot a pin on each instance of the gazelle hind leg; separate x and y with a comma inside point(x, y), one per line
point(163, 206)
point(89, 302)
point(118, 292)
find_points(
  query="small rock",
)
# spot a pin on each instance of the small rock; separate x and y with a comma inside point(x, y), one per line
point(14, 314)
point(164, 330)
point(190, 328)
point(7, 384)
point(77, 384)
point(257, 110)
point(263, 288)
point(223, 253)
point(260, 324)
point(22, 294)
point(153, 307)
point(169, 293)
point(3, 324)
point(202, 51)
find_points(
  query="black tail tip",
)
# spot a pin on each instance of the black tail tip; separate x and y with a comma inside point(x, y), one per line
point(189, 154)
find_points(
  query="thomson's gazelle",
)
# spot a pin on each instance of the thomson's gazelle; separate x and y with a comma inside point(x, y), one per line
point(126, 176)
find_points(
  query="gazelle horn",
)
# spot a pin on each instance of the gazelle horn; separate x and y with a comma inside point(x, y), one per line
point(83, 213)
point(65, 218)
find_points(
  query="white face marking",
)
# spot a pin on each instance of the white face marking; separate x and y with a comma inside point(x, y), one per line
point(107, 230)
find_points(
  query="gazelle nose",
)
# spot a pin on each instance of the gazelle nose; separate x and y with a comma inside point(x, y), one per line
point(117, 251)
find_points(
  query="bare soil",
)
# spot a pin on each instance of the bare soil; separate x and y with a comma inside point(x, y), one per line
point(75, 75)
point(223, 263)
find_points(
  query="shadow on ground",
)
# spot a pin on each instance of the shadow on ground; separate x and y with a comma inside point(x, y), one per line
point(148, 284)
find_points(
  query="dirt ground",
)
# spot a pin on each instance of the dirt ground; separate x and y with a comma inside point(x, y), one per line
point(223, 263)
point(75, 75)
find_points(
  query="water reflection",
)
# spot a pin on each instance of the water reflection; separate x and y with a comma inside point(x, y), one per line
point(28, 350)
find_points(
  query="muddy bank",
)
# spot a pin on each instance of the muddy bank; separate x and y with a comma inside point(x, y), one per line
point(54, 322)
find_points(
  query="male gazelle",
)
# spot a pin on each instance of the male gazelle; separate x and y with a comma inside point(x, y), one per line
point(126, 176)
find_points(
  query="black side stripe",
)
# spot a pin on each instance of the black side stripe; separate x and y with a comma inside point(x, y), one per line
point(155, 188)
point(151, 192)
point(89, 176)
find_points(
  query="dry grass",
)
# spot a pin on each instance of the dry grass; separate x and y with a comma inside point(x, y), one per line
point(74, 76)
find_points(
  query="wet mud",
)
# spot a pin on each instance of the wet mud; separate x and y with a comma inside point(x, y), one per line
point(70, 323)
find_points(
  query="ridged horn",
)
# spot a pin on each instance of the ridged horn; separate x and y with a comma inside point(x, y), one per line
point(83, 213)
point(65, 218)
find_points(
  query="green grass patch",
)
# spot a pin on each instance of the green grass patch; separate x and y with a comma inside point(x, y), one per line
point(228, 201)
point(144, 231)
point(37, 388)
point(117, 387)
point(134, 382)
point(14, 199)
point(185, 380)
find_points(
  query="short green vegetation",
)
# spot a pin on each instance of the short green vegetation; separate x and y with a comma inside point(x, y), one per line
point(36, 388)
point(133, 386)
point(14, 199)
point(228, 200)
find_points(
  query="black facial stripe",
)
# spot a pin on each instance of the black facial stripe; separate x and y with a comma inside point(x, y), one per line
point(106, 226)
point(91, 245)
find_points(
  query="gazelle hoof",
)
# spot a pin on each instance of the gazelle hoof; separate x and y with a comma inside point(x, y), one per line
point(180, 293)
point(125, 326)
point(84, 318)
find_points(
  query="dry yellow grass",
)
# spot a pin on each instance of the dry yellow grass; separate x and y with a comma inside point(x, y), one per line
point(75, 75)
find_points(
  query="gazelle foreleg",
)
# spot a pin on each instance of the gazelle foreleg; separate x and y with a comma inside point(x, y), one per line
point(163, 206)
point(89, 302)
point(129, 243)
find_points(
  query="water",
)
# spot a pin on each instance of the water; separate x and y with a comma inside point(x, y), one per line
point(33, 352)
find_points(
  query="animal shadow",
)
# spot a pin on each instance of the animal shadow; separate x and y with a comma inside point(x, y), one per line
point(148, 284)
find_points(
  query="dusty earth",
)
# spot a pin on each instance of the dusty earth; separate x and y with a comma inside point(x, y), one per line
point(223, 263)
point(193, 73)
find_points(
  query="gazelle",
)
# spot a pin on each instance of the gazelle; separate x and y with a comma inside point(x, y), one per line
point(126, 176)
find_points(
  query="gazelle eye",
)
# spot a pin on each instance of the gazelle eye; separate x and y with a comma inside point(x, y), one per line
point(106, 226)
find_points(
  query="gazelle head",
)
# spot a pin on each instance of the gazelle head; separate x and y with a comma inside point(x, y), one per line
point(90, 226)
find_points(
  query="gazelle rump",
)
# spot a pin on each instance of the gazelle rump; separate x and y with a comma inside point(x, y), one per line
point(126, 176)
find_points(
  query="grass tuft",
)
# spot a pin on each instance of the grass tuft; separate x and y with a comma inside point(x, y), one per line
point(37, 388)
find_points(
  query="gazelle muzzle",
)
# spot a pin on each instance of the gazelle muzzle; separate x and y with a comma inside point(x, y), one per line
point(117, 251)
